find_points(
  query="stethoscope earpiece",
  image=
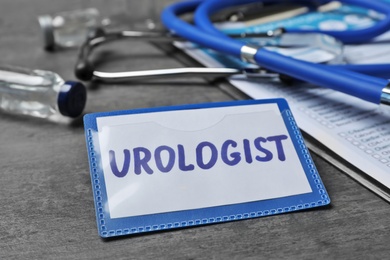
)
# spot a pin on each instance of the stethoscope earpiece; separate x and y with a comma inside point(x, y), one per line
point(84, 70)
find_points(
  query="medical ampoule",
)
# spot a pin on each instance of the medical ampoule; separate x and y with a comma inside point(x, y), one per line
point(71, 28)
point(68, 29)
point(39, 93)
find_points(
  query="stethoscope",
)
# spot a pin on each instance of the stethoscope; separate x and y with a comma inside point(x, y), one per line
point(85, 69)
point(360, 81)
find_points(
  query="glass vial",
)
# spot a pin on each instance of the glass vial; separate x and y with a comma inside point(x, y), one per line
point(68, 29)
point(39, 93)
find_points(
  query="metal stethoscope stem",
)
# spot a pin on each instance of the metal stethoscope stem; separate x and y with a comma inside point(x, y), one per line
point(85, 70)
point(180, 72)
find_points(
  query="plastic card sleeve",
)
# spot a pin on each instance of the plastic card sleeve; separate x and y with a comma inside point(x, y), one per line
point(170, 167)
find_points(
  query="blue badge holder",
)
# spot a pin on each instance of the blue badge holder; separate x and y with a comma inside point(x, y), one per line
point(180, 166)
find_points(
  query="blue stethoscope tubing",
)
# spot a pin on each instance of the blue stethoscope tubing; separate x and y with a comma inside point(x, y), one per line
point(338, 77)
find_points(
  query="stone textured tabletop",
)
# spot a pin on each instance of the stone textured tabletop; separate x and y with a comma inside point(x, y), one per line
point(46, 203)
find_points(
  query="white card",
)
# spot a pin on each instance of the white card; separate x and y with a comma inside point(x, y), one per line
point(157, 167)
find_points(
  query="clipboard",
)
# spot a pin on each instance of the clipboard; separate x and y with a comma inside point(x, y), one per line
point(180, 166)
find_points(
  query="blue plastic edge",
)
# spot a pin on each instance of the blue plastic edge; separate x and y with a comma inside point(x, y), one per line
point(108, 227)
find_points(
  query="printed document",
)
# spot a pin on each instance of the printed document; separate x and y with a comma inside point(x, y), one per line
point(355, 130)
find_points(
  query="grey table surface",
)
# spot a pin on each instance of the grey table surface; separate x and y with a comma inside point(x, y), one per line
point(46, 203)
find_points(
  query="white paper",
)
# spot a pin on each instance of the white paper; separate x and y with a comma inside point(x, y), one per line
point(356, 130)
